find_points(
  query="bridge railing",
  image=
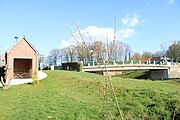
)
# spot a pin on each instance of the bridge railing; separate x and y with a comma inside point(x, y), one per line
point(131, 62)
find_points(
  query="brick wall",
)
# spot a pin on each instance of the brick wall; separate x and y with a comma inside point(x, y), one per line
point(22, 50)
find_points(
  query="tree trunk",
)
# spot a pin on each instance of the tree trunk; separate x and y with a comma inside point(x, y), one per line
point(6, 84)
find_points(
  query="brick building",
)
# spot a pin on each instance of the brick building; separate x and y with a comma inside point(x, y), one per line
point(21, 60)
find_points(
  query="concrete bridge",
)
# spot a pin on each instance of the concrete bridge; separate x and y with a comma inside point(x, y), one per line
point(156, 71)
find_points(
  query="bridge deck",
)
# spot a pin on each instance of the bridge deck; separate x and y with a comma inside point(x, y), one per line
point(125, 67)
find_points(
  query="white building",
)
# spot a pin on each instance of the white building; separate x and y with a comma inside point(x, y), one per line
point(2, 60)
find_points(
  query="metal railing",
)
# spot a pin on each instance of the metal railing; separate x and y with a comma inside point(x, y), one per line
point(131, 62)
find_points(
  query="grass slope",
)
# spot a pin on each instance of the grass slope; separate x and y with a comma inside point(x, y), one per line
point(139, 74)
point(67, 95)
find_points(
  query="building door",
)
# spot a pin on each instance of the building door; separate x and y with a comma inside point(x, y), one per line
point(22, 68)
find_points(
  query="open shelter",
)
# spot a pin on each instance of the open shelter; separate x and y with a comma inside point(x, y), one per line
point(21, 60)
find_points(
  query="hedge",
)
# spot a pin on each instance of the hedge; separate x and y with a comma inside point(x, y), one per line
point(74, 66)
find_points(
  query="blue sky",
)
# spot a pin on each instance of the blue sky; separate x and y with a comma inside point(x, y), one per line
point(48, 24)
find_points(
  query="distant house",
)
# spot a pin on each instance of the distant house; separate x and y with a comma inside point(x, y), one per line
point(145, 60)
point(2, 60)
point(162, 59)
point(21, 60)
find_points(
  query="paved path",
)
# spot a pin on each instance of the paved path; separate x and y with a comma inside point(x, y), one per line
point(41, 75)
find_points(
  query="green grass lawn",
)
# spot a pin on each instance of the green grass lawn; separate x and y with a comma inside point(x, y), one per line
point(67, 95)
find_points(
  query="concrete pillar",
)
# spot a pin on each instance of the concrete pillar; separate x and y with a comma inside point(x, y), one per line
point(123, 62)
point(149, 61)
point(114, 62)
point(52, 67)
point(104, 62)
point(131, 61)
point(93, 62)
point(140, 62)
point(159, 74)
point(154, 62)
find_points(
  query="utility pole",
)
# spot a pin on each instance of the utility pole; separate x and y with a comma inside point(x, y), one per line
point(114, 54)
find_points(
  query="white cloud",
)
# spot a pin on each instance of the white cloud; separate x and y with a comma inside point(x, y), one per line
point(66, 43)
point(124, 21)
point(127, 33)
point(96, 33)
point(147, 2)
point(171, 1)
point(131, 20)
point(127, 30)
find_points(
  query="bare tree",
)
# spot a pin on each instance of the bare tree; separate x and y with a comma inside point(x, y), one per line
point(40, 60)
point(65, 53)
point(99, 51)
point(111, 51)
point(136, 56)
point(81, 52)
point(127, 52)
point(83, 48)
point(54, 56)
point(174, 50)
point(146, 54)
point(71, 50)
point(157, 54)
point(164, 49)
point(5, 80)
point(119, 51)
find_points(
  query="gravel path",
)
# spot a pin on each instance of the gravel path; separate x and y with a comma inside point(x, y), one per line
point(41, 75)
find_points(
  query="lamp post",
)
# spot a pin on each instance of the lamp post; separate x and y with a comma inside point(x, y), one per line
point(16, 38)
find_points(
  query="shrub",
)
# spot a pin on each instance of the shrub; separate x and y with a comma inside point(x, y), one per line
point(46, 68)
point(34, 77)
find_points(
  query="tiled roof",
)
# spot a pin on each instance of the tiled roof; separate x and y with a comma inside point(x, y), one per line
point(24, 38)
